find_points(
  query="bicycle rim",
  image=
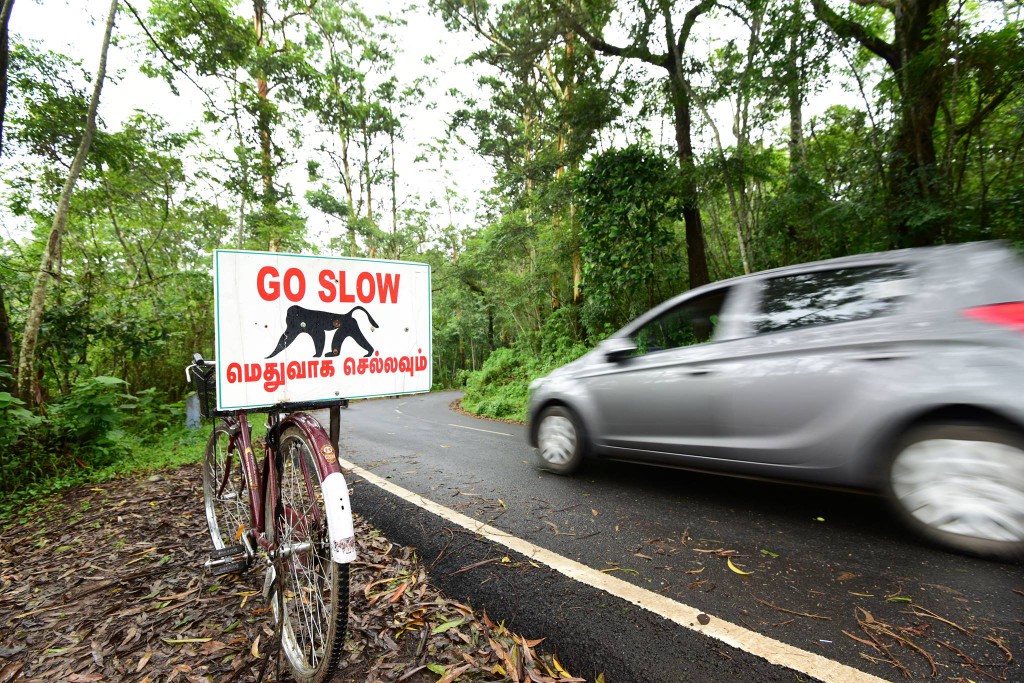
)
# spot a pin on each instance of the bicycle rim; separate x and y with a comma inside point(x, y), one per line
point(224, 491)
point(314, 588)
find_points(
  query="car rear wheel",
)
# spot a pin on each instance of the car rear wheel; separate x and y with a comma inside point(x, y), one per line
point(559, 440)
point(962, 486)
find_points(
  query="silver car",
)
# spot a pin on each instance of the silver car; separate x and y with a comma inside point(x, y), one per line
point(900, 372)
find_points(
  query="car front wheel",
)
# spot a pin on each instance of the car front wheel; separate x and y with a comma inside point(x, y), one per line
point(962, 486)
point(559, 440)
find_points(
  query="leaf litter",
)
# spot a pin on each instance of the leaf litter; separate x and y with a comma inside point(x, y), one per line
point(120, 594)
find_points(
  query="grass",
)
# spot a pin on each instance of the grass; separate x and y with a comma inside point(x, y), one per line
point(171, 448)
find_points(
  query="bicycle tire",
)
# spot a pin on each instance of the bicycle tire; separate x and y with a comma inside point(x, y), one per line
point(315, 588)
point(224, 490)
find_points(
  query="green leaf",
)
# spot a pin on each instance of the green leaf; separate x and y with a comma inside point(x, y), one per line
point(439, 669)
point(446, 626)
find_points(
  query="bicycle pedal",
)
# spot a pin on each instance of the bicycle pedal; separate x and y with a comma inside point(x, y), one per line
point(229, 568)
point(227, 551)
point(228, 560)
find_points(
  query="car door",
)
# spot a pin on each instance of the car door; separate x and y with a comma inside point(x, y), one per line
point(662, 398)
point(820, 343)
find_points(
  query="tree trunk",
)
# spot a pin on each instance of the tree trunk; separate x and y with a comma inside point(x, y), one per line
point(912, 172)
point(263, 126)
point(915, 60)
point(27, 380)
point(695, 253)
point(6, 342)
point(5, 53)
point(794, 95)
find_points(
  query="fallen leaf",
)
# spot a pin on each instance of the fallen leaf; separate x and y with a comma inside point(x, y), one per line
point(182, 641)
point(144, 661)
point(768, 553)
point(212, 647)
point(398, 593)
point(846, 576)
point(594, 511)
point(10, 671)
point(439, 669)
point(736, 569)
point(441, 628)
point(255, 649)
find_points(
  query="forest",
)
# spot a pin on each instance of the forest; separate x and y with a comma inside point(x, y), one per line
point(633, 149)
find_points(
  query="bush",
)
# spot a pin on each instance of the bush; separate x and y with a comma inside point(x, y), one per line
point(500, 388)
point(79, 433)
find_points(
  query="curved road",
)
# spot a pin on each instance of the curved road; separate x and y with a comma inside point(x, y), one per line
point(828, 573)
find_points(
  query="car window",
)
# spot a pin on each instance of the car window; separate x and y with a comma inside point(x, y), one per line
point(692, 322)
point(830, 296)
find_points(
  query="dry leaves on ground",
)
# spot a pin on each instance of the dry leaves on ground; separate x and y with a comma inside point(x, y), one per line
point(108, 584)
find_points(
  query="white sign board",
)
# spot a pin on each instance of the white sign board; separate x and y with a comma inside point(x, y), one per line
point(297, 329)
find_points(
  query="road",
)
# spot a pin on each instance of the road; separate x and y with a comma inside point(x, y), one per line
point(830, 578)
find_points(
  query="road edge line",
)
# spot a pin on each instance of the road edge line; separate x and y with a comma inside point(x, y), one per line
point(773, 651)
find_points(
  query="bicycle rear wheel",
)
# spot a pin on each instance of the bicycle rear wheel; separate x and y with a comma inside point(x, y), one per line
point(224, 490)
point(314, 588)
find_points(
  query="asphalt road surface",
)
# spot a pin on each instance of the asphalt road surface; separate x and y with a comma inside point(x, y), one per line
point(830, 577)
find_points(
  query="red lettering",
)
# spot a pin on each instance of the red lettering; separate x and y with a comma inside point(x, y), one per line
point(342, 296)
point(365, 278)
point(268, 290)
point(327, 288)
point(388, 287)
point(292, 275)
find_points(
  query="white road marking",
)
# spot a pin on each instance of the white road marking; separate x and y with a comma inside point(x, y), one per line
point(475, 429)
point(774, 651)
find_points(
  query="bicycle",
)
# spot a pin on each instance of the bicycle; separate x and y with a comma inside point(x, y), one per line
point(291, 512)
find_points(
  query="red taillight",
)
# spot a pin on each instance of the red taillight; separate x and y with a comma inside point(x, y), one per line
point(1008, 315)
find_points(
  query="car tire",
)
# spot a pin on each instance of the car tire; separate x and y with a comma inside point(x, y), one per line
point(961, 486)
point(560, 443)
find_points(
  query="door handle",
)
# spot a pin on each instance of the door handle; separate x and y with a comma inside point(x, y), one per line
point(700, 372)
point(877, 357)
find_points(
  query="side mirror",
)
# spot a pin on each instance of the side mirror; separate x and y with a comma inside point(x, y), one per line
point(618, 348)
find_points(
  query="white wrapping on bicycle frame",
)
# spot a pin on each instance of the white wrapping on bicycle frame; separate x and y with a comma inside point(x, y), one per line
point(339, 518)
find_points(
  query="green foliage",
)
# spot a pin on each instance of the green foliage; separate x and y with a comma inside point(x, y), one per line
point(628, 202)
point(140, 454)
point(84, 426)
point(500, 389)
point(94, 429)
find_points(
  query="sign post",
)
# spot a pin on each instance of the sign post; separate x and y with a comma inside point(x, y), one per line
point(308, 329)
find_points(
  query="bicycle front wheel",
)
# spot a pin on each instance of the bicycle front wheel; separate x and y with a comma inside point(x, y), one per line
point(224, 490)
point(310, 598)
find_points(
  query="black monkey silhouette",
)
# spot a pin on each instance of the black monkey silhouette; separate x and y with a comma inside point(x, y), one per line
point(317, 324)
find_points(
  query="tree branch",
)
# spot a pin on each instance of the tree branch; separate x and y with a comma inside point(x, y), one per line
point(972, 124)
point(845, 28)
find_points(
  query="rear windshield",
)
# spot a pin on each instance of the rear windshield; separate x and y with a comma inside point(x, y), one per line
point(830, 296)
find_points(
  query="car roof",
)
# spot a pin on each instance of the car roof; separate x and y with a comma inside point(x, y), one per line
point(915, 254)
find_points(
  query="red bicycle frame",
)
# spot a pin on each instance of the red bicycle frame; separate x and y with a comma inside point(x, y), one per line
point(262, 487)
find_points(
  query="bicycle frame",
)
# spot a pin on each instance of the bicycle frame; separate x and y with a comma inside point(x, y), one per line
point(261, 485)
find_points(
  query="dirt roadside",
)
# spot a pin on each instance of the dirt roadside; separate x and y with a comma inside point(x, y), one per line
point(108, 584)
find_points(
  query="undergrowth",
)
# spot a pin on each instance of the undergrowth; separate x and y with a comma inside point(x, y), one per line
point(500, 389)
point(97, 432)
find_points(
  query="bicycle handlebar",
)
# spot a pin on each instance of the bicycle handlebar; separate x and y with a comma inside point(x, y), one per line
point(197, 362)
